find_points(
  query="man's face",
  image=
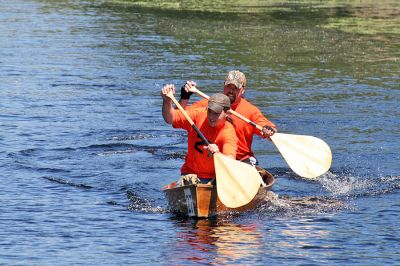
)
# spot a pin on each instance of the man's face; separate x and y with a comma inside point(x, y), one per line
point(234, 93)
point(215, 119)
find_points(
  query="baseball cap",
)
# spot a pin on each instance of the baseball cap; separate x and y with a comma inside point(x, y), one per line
point(218, 102)
point(236, 78)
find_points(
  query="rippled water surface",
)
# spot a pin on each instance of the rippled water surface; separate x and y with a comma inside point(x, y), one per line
point(84, 150)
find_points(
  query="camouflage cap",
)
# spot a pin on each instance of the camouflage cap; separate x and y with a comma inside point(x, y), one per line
point(236, 78)
point(218, 102)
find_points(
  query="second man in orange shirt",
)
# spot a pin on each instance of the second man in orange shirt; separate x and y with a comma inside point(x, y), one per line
point(234, 88)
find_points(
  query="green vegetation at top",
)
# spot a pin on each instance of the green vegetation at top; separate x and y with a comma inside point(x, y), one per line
point(362, 17)
point(257, 6)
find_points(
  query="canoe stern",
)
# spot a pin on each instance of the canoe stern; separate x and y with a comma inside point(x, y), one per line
point(201, 200)
point(192, 200)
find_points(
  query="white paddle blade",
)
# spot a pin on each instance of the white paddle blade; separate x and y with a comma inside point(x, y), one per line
point(237, 182)
point(307, 156)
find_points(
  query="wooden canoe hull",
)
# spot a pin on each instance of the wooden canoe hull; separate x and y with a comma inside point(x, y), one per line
point(201, 200)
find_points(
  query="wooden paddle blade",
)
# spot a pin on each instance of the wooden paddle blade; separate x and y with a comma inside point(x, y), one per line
point(237, 182)
point(307, 156)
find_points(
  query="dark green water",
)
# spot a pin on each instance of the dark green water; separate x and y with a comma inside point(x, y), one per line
point(85, 151)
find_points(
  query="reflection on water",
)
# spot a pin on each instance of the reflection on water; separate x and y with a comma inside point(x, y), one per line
point(228, 241)
point(325, 33)
point(218, 241)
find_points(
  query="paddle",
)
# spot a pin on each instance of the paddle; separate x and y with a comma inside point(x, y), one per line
point(307, 156)
point(237, 182)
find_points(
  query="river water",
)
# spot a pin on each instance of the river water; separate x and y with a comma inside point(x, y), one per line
point(84, 151)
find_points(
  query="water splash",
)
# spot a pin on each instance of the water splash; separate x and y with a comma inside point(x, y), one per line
point(138, 203)
point(340, 185)
point(349, 186)
point(282, 206)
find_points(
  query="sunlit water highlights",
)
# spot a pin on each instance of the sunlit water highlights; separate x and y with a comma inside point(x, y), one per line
point(84, 151)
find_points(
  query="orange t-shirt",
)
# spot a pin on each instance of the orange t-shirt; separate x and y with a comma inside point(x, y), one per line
point(244, 131)
point(197, 160)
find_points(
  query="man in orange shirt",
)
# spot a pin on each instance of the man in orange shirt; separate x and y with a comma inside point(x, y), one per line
point(211, 121)
point(234, 88)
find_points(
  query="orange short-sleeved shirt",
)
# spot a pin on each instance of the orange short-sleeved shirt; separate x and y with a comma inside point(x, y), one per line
point(197, 160)
point(244, 131)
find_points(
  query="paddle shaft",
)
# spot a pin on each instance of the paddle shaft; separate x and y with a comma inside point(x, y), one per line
point(172, 97)
point(315, 162)
point(231, 111)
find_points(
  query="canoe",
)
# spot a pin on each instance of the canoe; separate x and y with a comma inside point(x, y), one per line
point(201, 200)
